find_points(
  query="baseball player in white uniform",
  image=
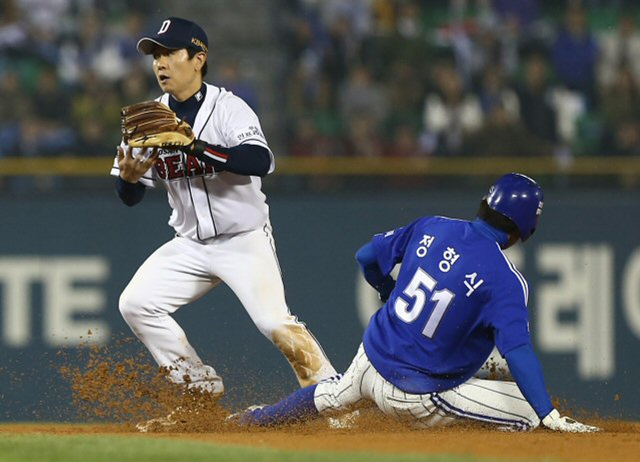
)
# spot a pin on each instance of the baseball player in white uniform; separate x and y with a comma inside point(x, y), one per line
point(219, 215)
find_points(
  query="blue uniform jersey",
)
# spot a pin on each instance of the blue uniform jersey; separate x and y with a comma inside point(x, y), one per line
point(457, 295)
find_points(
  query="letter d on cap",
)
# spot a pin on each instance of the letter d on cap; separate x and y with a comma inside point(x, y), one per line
point(164, 26)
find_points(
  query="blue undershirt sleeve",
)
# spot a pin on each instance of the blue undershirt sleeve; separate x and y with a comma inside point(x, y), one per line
point(244, 159)
point(368, 262)
point(527, 372)
point(129, 193)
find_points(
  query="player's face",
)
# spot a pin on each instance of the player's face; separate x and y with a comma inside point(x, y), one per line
point(176, 73)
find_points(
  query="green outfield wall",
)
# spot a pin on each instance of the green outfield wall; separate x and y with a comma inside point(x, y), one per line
point(64, 261)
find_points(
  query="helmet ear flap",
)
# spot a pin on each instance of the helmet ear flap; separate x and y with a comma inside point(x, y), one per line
point(530, 234)
point(496, 219)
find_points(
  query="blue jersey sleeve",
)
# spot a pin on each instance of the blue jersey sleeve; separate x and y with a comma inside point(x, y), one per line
point(507, 314)
point(368, 262)
point(527, 372)
point(389, 247)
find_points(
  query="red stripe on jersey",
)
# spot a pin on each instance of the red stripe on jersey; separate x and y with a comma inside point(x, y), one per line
point(216, 155)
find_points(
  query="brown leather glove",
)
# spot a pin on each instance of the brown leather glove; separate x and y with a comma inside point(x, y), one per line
point(153, 124)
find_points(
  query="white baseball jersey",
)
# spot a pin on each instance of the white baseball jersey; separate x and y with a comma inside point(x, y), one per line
point(206, 203)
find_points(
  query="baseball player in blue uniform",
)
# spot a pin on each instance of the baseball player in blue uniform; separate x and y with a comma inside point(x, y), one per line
point(456, 296)
point(219, 214)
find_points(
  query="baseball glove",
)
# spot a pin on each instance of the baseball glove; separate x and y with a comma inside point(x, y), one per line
point(152, 124)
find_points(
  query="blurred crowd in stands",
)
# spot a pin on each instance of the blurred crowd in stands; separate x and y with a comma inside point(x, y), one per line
point(363, 77)
point(456, 77)
point(66, 68)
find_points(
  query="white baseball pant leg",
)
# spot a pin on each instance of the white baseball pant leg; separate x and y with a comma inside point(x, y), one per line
point(182, 270)
point(490, 401)
point(175, 274)
point(248, 264)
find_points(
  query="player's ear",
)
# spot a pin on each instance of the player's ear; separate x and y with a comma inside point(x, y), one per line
point(199, 61)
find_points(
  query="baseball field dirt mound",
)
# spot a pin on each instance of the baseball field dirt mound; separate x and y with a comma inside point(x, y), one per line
point(620, 441)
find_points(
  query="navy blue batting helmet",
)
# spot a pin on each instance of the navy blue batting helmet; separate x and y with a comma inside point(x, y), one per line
point(519, 198)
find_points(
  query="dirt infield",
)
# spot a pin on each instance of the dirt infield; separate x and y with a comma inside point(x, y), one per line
point(620, 441)
point(110, 389)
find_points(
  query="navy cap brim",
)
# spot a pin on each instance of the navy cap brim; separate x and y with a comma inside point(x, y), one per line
point(147, 45)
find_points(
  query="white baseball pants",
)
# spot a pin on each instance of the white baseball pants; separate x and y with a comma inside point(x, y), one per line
point(492, 401)
point(182, 271)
